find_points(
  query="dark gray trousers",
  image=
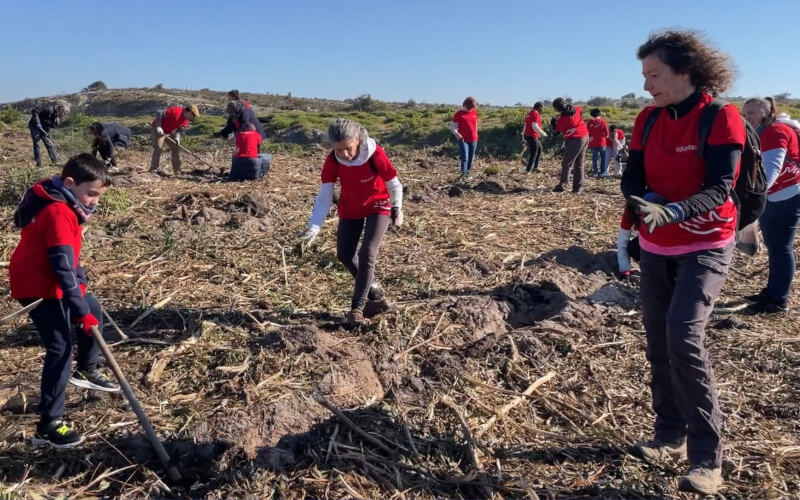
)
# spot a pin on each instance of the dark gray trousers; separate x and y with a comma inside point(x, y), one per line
point(574, 157)
point(678, 294)
point(361, 265)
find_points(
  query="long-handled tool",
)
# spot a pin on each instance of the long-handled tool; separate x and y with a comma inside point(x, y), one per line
point(172, 471)
point(30, 307)
point(197, 157)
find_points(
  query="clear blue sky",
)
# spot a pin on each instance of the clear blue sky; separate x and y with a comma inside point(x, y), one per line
point(501, 52)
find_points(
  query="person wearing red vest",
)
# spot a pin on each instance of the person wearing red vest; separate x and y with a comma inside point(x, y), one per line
point(531, 132)
point(247, 163)
point(170, 122)
point(780, 154)
point(598, 133)
point(571, 126)
point(465, 128)
point(371, 197)
point(687, 227)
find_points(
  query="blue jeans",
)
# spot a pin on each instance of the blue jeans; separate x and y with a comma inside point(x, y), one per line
point(466, 153)
point(778, 225)
point(598, 153)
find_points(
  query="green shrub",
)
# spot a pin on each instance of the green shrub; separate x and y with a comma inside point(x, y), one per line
point(492, 170)
point(98, 85)
point(115, 200)
point(16, 181)
point(10, 115)
point(77, 119)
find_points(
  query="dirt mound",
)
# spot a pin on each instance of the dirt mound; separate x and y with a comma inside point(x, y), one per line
point(473, 317)
point(584, 261)
point(420, 193)
point(614, 294)
point(303, 136)
point(491, 186)
point(531, 303)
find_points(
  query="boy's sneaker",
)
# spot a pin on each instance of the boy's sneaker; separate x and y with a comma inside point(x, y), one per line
point(56, 434)
point(659, 451)
point(765, 306)
point(558, 189)
point(94, 379)
point(757, 297)
point(701, 480)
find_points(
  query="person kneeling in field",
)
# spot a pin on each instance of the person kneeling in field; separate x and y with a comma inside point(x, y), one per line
point(46, 264)
point(247, 163)
point(108, 136)
point(371, 197)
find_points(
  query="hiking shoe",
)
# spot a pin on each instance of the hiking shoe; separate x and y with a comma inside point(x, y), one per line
point(355, 317)
point(659, 451)
point(701, 480)
point(558, 189)
point(757, 297)
point(576, 191)
point(765, 306)
point(56, 434)
point(376, 307)
point(94, 379)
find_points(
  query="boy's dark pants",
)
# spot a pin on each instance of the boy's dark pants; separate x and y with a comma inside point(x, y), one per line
point(52, 320)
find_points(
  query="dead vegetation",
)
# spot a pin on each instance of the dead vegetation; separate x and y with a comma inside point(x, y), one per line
point(511, 366)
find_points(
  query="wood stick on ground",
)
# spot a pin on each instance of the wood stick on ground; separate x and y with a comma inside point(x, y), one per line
point(319, 398)
point(155, 307)
point(473, 448)
point(502, 412)
point(114, 324)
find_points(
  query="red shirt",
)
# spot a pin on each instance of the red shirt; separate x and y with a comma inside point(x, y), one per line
point(173, 119)
point(467, 124)
point(363, 187)
point(782, 136)
point(598, 131)
point(674, 171)
point(30, 273)
point(532, 117)
point(572, 126)
point(247, 144)
point(627, 220)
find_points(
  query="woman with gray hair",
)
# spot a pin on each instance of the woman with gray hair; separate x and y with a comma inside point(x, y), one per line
point(371, 196)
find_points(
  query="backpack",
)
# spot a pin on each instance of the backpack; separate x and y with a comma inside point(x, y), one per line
point(750, 191)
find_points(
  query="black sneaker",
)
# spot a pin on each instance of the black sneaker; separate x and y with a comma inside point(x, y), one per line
point(94, 379)
point(56, 434)
point(765, 306)
point(757, 297)
point(558, 189)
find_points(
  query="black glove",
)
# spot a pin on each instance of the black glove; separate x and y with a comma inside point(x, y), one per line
point(655, 215)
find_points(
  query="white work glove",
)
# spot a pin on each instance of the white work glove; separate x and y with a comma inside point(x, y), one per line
point(623, 258)
point(397, 217)
point(159, 131)
point(177, 138)
point(307, 239)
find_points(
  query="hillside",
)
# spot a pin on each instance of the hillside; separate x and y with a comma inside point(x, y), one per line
point(512, 364)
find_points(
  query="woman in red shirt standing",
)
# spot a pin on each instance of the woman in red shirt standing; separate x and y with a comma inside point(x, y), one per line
point(530, 137)
point(687, 233)
point(371, 197)
point(465, 128)
point(570, 124)
point(781, 156)
point(598, 132)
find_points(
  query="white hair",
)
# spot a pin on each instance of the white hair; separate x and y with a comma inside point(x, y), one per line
point(342, 129)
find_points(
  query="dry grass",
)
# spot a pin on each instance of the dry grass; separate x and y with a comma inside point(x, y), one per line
point(490, 294)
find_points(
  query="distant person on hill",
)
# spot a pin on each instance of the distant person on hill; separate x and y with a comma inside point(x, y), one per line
point(614, 146)
point(598, 132)
point(108, 136)
point(531, 132)
point(570, 124)
point(247, 164)
point(170, 122)
point(780, 153)
point(687, 231)
point(43, 120)
point(371, 197)
point(465, 128)
point(240, 114)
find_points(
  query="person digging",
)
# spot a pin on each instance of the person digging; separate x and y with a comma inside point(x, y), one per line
point(371, 197)
point(170, 122)
point(43, 120)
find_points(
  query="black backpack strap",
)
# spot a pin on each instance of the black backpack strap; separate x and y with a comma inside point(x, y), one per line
point(648, 124)
point(707, 117)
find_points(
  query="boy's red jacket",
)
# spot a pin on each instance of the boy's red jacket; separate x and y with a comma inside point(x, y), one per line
point(46, 262)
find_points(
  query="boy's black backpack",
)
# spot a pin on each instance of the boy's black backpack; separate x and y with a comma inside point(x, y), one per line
point(750, 191)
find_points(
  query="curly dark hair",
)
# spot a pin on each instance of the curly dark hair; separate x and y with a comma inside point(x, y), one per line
point(710, 69)
point(470, 103)
point(595, 112)
point(559, 104)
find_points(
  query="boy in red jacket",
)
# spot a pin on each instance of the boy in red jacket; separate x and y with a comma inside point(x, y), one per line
point(46, 264)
